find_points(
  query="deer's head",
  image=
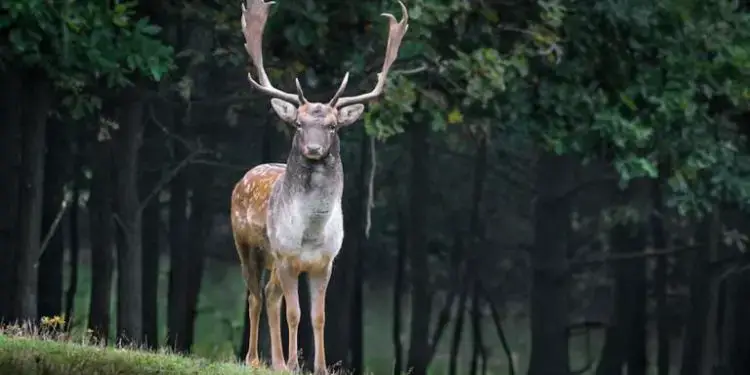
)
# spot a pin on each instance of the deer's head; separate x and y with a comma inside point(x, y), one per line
point(316, 124)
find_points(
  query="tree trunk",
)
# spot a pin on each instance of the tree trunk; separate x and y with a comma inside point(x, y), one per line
point(102, 230)
point(740, 349)
point(36, 107)
point(549, 291)
point(151, 253)
point(626, 335)
point(74, 220)
point(458, 330)
point(199, 224)
point(10, 164)
point(660, 275)
point(51, 261)
point(398, 285)
point(710, 333)
point(478, 349)
point(356, 341)
point(178, 230)
point(129, 250)
point(151, 233)
point(421, 304)
point(701, 318)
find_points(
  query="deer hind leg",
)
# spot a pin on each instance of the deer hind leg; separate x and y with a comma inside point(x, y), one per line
point(318, 285)
point(252, 273)
point(273, 309)
point(289, 279)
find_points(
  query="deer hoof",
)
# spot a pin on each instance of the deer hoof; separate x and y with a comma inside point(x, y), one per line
point(280, 366)
point(321, 371)
point(293, 364)
point(253, 362)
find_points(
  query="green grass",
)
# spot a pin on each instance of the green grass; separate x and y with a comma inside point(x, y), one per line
point(37, 355)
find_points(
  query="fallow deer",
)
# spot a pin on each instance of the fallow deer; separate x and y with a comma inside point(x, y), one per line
point(287, 218)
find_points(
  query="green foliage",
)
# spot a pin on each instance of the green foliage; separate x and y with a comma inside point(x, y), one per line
point(79, 44)
point(668, 94)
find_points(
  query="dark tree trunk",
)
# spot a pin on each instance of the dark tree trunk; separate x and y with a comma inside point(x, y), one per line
point(10, 164)
point(626, 336)
point(398, 285)
point(701, 318)
point(199, 224)
point(150, 274)
point(478, 349)
point(740, 348)
point(421, 305)
point(151, 253)
point(74, 220)
point(727, 311)
point(458, 330)
point(151, 163)
point(637, 357)
point(102, 231)
point(129, 225)
point(356, 338)
point(178, 230)
point(660, 276)
point(36, 107)
point(50, 271)
point(549, 292)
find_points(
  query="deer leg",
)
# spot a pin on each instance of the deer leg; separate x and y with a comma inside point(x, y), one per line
point(273, 309)
point(251, 273)
point(318, 284)
point(289, 278)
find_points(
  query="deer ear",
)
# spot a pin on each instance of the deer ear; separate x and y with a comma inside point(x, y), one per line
point(285, 110)
point(350, 114)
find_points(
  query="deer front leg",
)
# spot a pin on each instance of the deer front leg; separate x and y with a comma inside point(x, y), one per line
point(289, 278)
point(318, 284)
point(273, 309)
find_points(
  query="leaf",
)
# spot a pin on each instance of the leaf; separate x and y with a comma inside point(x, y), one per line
point(455, 116)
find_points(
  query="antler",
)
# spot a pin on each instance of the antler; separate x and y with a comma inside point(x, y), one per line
point(253, 24)
point(395, 34)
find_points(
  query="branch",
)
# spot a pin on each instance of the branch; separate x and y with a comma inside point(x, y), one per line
point(166, 131)
point(630, 256)
point(220, 164)
point(169, 177)
point(370, 188)
point(442, 322)
point(53, 228)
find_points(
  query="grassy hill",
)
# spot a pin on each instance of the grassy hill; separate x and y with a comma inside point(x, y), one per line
point(27, 355)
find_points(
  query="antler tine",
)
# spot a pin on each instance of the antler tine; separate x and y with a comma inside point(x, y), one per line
point(396, 32)
point(253, 24)
point(300, 94)
point(341, 89)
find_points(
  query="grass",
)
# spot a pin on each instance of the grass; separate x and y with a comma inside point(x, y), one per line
point(27, 355)
point(219, 324)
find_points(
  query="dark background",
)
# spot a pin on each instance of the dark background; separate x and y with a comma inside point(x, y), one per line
point(547, 187)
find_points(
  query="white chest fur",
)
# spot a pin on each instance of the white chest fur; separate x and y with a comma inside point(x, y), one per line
point(307, 226)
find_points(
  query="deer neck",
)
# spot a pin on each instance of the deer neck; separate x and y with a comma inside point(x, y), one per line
point(320, 182)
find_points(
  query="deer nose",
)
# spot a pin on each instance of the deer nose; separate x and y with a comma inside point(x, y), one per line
point(313, 149)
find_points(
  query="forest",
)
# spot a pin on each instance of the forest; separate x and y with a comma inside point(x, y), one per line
point(545, 187)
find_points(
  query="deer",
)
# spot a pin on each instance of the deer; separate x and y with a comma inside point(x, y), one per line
point(287, 218)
